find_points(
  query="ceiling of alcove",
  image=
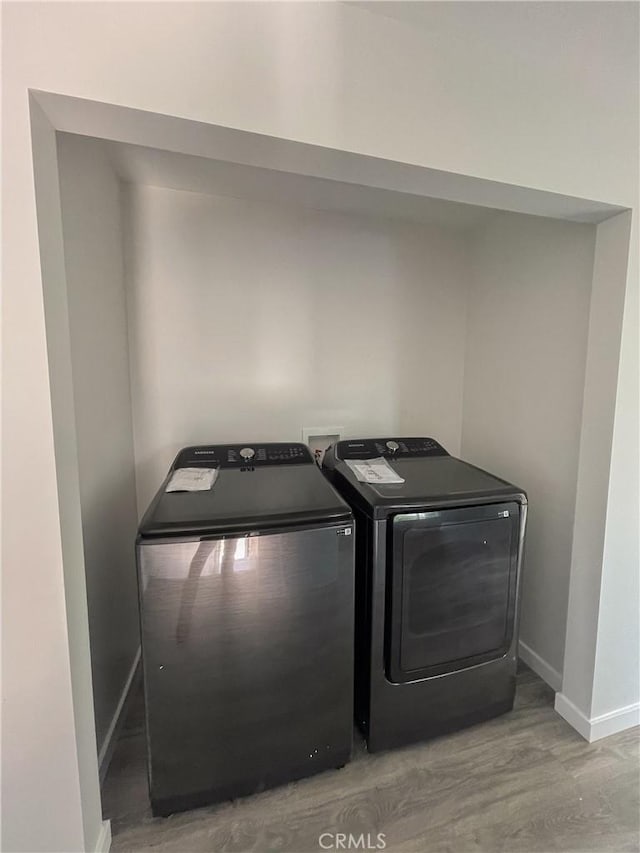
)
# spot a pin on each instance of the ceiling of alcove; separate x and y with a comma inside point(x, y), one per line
point(157, 167)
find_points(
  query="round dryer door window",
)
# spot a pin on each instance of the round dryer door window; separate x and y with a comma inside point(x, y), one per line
point(451, 589)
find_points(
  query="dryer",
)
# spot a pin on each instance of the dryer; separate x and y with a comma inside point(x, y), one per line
point(438, 560)
point(246, 612)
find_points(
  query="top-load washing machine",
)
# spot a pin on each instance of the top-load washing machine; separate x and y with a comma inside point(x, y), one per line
point(438, 557)
point(246, 609)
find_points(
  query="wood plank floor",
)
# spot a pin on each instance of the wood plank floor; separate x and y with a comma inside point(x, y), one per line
point(523, 782)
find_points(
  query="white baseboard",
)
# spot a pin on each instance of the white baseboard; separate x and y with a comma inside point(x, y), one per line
point(103, 844)
point(106, 750)
point(540, 666)
point(595, 728)
point(573, 715)
point(615, 721)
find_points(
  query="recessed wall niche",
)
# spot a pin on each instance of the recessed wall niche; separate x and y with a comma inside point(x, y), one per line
point(213, 301)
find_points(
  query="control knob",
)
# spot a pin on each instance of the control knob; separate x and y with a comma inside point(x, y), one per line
point(247, 453)
point(393, 446)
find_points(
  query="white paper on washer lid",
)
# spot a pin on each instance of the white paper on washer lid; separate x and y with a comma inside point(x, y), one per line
point(192, 480)
point(374, 471)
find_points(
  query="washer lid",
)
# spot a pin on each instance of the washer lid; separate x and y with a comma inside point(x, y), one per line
point(431, 476)
point(278, 486)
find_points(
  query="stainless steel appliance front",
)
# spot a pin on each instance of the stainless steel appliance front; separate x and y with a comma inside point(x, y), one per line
point(248, 660)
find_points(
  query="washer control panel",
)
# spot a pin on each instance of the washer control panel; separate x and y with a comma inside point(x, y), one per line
point(390, 448)
point(243, 455)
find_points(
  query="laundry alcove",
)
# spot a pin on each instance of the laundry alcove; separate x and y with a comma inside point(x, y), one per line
point(227, 288)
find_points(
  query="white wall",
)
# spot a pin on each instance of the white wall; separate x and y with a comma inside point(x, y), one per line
point(90, 196)
point(543, 95)
point(250, 321)
point(617, 681)
point(524, 379)
point(46, 666)
point(602, 624)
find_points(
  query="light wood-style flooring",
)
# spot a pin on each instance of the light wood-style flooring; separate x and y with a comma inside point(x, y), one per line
point(523, 782)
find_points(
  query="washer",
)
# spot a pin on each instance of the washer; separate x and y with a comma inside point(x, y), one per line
point(437, 577)
point(246, 612)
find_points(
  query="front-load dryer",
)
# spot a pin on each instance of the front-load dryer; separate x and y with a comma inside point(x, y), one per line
point(437, 579)
point(246, 609)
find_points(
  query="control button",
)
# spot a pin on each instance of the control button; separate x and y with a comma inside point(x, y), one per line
point(393, 446)
point(247, 453)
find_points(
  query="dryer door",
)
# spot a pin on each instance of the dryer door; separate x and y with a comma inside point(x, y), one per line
point(452, 589)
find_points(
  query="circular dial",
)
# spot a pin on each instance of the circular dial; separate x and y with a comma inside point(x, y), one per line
point(247, 453)
point(393, 446)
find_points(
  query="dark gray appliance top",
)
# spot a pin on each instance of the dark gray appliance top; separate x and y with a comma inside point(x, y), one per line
point(258, 486)
point(432, 477)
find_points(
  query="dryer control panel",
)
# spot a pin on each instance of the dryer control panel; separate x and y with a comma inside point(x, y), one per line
point(390, 448)
point(243, 455)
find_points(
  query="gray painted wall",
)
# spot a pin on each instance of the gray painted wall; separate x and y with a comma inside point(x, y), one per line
point(251, 320)
point(90, 196)
point(528, 318)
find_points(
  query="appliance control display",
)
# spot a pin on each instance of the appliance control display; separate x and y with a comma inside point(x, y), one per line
point(243, 455)
point(391, 448)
